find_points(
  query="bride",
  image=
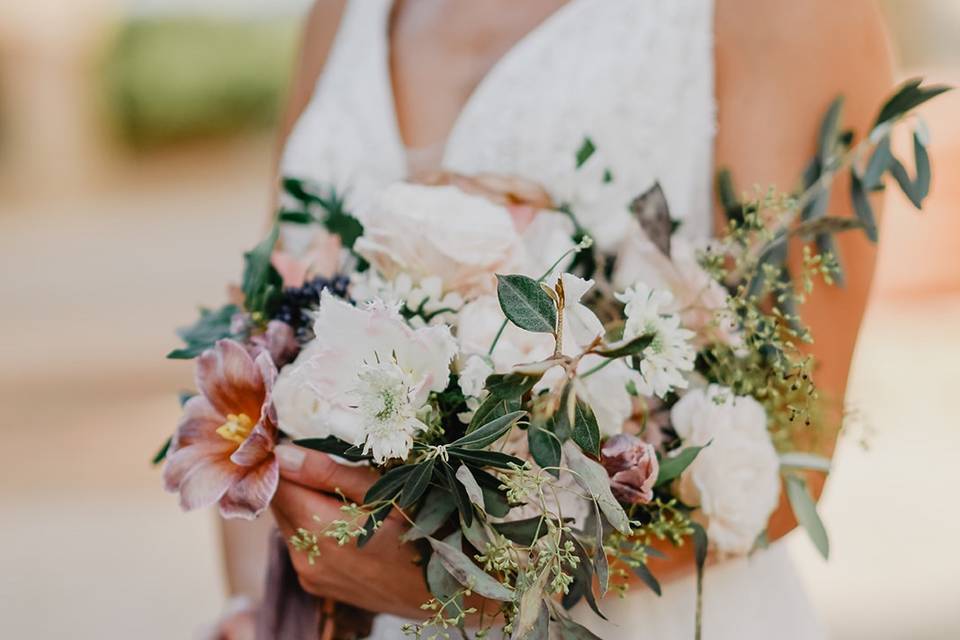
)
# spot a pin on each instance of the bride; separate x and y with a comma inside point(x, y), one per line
point(668, 90)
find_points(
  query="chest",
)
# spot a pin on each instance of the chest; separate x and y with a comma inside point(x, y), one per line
point(439, 52)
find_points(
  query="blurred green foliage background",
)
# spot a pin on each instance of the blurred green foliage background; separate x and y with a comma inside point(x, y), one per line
point(169, 78)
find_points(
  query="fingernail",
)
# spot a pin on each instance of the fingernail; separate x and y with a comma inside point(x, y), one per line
point(290, 457)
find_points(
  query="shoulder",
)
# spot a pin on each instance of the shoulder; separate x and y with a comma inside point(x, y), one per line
point(780, 63)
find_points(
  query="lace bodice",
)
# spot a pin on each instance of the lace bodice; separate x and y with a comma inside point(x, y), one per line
point(635, 76)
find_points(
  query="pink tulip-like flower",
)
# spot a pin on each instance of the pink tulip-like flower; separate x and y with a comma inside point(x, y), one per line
point(222, 451)
point(633, 468)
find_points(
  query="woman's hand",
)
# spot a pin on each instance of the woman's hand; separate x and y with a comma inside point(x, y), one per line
point(382, 576)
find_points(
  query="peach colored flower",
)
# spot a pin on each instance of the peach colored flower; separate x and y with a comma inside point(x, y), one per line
point(522, 198)
point(222, 451)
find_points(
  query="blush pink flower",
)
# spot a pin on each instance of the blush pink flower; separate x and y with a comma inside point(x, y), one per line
point(222, 451)
point(633, 468)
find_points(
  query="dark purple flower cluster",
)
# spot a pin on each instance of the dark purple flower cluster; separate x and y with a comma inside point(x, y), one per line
point(297, 304)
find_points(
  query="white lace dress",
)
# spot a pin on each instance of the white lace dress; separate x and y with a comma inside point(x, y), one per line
point(636, 76)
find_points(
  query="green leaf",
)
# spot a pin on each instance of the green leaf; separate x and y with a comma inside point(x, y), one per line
point(524, 532)
point(922, 162)
point(671, 468)
point(488, 433)
point(468, 574)
point(643, 572)
point(336, 219)
point(528, 623)
point(830, 129)
point(570, 630)
point(475, 533)
point(389, 485)
point(600, 563)
point(907, 97)
point(295, 217)
point(494, 501)
point(805, 509)
point(801, 460)
point(160, 455)
point(544, 448)
point(417, 483)
point(879, 163)
point(862, 207)
point(582, 586)
point(630, 347)
point(525, 304)
point(906, 183)
point(727, 194)
point(460, 495)
point(594, 479)
point(585, 151)
point(474, 492)
point(441, 584)
point(437, 507)
point(372, 524)
point(586, 431)
point(332, 445)
point(212, 325)
point(494, 459)
point(261, 282)
point(700, 547)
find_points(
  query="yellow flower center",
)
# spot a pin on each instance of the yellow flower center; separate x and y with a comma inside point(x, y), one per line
point(236, 428)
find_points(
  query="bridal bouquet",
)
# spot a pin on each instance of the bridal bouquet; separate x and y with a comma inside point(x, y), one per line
point(553, 392)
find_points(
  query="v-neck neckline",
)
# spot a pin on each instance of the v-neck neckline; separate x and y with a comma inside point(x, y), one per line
point(489, 77)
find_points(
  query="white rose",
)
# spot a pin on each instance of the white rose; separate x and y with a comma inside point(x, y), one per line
point(473, 376)
point(426, 231)
point(736, 480)
point(364, 378)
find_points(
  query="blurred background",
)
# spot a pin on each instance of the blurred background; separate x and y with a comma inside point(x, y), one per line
point(136, 156)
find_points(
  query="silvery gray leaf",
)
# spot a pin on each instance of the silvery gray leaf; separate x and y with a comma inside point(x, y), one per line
point(653, 213)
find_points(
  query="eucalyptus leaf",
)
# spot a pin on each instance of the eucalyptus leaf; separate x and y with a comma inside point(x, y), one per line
point(460, 496)
point(805, 509)
point(416, 484)
point(600, 563)
point(700, 547)
point(922, 163)
point(594, 479)
point(468, 574)
point(801, 460)
point(495, 502)
point(909, 95)
point(488, 433)
point(334, 446)
point(389, 485)
point(435, 511)
point(653, 213)
point(672, 467)
point(630, 347)
point(544, 448)
point(524, 532)
point(441, 584)
point(879, 163)
point(525, 304)
point(570, 630)
point(586, 430)
point(372, 524)
point(643, 572)
point(475, 534)
point(474, 492)
point(494, 459)
point(862, 207)
point(830, 129)
point(531, 604)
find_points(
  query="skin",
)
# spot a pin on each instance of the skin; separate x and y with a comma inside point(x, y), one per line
point(779, 64)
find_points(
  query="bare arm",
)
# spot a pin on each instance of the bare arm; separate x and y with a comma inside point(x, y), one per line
point(245, 543)
point(779, 65)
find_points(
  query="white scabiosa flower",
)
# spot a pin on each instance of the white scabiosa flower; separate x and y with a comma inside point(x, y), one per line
point(736, 480)
point(671, 354)
point(364, 378)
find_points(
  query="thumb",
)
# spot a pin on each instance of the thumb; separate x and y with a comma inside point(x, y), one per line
point(319, 471)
